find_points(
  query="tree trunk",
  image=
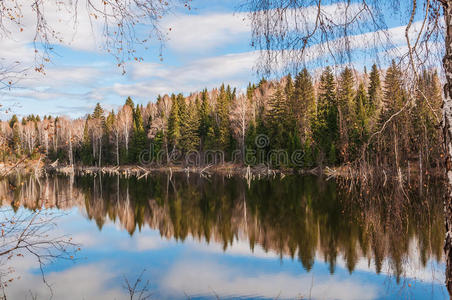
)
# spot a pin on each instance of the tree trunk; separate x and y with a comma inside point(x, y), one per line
point(447, 132)
point(117, 149)
point(71, 159)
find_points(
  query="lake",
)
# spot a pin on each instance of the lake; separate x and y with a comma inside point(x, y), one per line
point(190, 237)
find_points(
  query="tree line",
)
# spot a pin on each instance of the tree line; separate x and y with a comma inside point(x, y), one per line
point(330, 119)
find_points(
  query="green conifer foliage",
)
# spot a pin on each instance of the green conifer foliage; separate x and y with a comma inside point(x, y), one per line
point(139, 138)
point(346, 110)
point(174, 124)
point(360, 131)
point(190, 129)
point(374, 91)
point(86, 154)
point(303, 104)
point(222, 128)
point(325, 125)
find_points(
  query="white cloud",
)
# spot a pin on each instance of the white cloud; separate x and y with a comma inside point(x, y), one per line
point(209, 278)
point(194, 33)
point(152, 79)
point(91, 281)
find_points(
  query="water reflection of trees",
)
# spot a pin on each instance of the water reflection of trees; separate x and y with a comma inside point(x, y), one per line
point(304, 218)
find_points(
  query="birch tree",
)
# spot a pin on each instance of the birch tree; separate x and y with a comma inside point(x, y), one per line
point(240, 118)
point(125, 119)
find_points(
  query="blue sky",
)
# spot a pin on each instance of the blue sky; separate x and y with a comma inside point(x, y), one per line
point(206, 46)
point(197, 268)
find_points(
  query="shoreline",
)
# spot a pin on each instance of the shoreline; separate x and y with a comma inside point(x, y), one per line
point(39, 168)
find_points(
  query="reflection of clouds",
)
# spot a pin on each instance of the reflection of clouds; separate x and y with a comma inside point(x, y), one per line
point(207, 278)
point(92, 281)
point(413, 269)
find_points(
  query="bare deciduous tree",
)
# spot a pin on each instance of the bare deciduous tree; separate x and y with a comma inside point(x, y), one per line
point(31, 233)
point(125, 122)
point(115, 22)
point(240, 118)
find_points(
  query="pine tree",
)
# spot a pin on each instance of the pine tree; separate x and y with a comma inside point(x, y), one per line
point(13, 121)
point(86, 154)
point(189, 129)
point(346, 110)
point(174, 124)
point(276, 119)
point(394, 98)
point(98, 112)
point(374, 91)
point(222, 119)
point(325, 127)
point(205, 120)
point(130, 103)
point(303, 104)
point(138, 137)
point(360, 132)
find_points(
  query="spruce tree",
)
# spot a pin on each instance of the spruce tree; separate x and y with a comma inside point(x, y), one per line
point(394, 98)
point(138, 144)
point(346, 110)
point(374, 91)
point(174, 124)
point(130, 103)
point(205, 120)
point(222, 119)
point(189, 129)
point(361, 129)
point(13, 121)
point(325, 127)
point(98, 112)
point(303, 104)
point(86, 154)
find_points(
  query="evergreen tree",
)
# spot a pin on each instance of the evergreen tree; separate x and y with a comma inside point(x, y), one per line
point(189, 129)
point(86, 154)
point(174, 124)
point(98, 112)
point(360, 130)
point(130, 103)
point(346, 110)
point(374, 91)
point(13, 121)
point(303, 104)
point(139, 136)
point(393, 142)
point(205, 120)
point(325, 128)
point(222, 119)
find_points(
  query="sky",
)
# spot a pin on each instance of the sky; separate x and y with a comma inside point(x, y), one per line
point(206, 46)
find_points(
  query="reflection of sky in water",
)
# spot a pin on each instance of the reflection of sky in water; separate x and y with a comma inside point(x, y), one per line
point(202, 270)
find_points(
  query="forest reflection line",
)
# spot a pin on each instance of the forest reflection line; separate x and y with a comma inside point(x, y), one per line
point(301, 217)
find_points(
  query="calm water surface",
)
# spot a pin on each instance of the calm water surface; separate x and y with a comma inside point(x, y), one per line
point(197, 238)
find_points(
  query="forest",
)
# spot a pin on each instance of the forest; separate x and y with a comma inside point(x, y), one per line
point(325, 119)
